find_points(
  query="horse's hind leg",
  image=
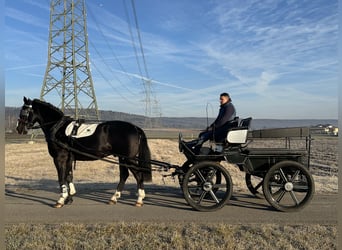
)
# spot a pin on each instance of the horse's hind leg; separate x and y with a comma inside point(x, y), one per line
point(69, 179)
point(71, 190)
point(141, 196)
point(140, 184)
point(123, 177)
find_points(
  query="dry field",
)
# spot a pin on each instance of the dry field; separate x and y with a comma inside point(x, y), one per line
point(30, 166)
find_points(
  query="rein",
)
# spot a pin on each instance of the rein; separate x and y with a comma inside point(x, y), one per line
point(71, 149)
point(42, 125)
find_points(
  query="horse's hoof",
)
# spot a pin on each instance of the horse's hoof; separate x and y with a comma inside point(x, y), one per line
point(68, 201)
point(58, 205)
point(111, 202)
point(139, 204)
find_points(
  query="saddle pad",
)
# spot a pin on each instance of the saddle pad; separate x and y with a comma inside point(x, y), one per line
point(83, 130)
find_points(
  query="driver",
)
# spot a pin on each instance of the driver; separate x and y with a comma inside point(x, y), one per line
point(218, 129)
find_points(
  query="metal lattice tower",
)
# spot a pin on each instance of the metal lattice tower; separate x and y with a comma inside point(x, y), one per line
point(68, 71)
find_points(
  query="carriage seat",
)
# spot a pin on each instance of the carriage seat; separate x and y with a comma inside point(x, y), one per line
point(239, 135)
point(221, 133)
point(235, 136)
point(77, 129)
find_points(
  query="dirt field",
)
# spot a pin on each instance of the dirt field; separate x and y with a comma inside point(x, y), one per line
point(29, 165)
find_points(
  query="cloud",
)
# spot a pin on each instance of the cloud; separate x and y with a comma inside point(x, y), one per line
point(264, 81)
point(38, 4)
point(25, 67)
point(24, 17)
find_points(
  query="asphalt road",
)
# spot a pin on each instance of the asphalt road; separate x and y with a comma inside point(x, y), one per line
point(161, 204)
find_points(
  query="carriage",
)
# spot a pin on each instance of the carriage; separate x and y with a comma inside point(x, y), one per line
point(281, 175)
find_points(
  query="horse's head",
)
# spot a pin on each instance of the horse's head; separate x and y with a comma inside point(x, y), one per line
point(26, 117)
point(45, 114)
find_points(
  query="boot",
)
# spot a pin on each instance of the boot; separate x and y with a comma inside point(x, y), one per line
point(199, 142)
point(191, 144)
point(197, 147)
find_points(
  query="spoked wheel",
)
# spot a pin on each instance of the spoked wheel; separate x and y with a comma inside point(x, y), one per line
point(185, 168)
point(254, 185)
point(288, 186)
point(207, 186)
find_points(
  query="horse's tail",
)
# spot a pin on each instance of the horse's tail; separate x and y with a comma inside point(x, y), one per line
point(145, 157)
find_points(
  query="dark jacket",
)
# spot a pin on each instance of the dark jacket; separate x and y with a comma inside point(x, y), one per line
point(227, 113)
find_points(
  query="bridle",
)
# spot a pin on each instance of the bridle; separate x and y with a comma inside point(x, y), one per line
point(25, 112)
point(24, 115)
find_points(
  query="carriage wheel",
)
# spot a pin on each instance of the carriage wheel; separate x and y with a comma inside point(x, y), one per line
point(185, 168)
point(207, 186)
point(288, 186)
point(254, 185)
point(187, 165)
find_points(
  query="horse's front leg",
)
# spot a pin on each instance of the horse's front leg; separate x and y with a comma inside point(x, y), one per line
point(63, 198)
point(61, 163)
point(123, 177)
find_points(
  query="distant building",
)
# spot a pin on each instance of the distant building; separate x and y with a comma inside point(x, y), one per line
point(335, 131)
point(326, 129)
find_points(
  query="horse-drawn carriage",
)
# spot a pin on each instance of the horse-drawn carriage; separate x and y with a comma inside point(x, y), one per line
point(281, 173)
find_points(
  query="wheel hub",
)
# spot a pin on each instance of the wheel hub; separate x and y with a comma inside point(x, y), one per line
point(207, 186)
point(289, 186)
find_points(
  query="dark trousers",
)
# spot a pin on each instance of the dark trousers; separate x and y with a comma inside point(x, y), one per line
point(217, 134)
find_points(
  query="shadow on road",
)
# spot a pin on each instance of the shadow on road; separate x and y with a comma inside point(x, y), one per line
point(249, 201)
point(46, 192)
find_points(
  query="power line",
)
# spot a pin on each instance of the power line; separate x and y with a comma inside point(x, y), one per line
point(132, 39)
point(139, 37)
point(147, 82)
point(108, 81)
point(112, 52)
point(140, 60)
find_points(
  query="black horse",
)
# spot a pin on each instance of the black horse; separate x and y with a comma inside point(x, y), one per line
point(118, 138)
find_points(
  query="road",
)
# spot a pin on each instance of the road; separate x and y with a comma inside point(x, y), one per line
point(161, 204)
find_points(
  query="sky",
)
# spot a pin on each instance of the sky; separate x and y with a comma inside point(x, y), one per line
point(276, 59)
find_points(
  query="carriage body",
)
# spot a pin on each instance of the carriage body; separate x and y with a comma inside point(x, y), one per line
point(275, 161)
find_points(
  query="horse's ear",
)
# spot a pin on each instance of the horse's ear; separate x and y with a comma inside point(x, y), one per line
point(26, 100)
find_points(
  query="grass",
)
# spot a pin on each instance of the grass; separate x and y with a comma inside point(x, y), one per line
point(154, 235)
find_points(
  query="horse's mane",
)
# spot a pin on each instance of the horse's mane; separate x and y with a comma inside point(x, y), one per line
point(48, 105)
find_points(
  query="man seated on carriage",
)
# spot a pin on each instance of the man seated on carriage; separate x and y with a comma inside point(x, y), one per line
point(217, 131)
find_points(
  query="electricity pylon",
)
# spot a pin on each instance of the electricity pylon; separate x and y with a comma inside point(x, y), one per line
point(68, 68)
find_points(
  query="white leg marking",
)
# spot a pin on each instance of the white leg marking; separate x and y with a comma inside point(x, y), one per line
point(141, 196)
point(64, 195)
point(72, 188)
point(116, 196)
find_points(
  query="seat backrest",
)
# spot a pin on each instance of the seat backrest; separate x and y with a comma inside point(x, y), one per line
point(245, 122)
point(239, 135)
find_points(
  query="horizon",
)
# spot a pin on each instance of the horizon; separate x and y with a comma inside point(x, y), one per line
point(277, 60)
point(212, 117)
